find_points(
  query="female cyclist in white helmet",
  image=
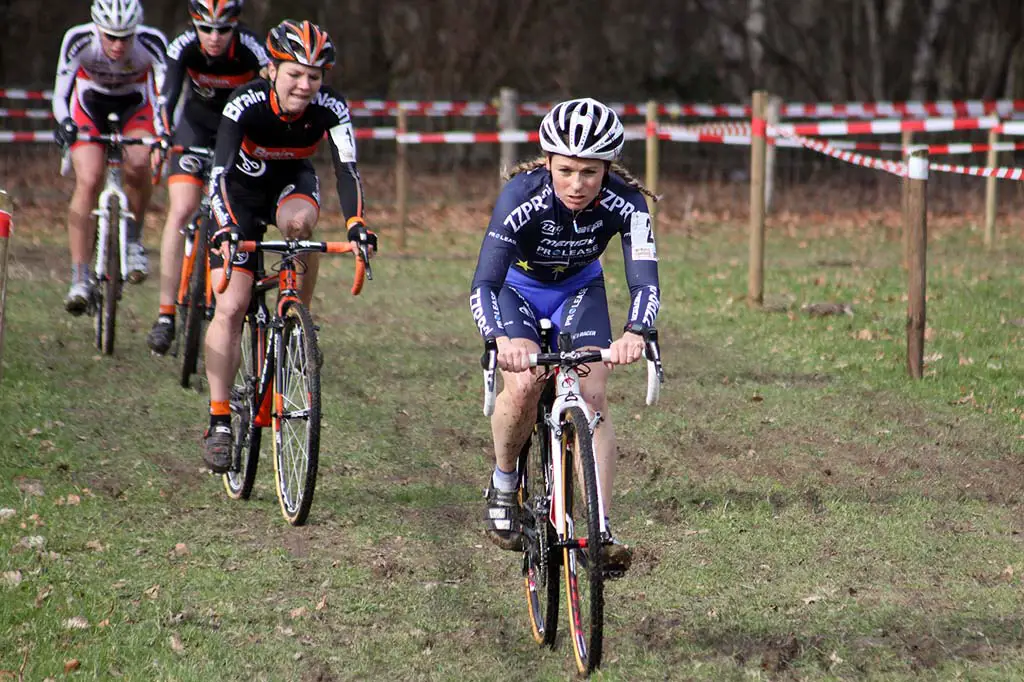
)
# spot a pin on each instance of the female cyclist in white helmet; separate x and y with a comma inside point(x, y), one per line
point(540, 259)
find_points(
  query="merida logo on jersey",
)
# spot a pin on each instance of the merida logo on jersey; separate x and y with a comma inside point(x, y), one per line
point(613, 202)
point(519, 216)
point(235, 107)
point(328, 102)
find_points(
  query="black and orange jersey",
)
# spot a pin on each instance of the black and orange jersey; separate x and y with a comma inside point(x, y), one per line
point(257, 144)
point(210, 80)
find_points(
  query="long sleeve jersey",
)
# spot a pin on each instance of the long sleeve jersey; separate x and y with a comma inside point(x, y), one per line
point(534, 233)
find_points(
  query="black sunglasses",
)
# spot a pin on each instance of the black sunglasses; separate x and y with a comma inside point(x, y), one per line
point(206, 28)
point(118, 39)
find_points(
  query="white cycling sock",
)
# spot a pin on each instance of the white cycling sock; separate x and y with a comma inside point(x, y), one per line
point(506, 482)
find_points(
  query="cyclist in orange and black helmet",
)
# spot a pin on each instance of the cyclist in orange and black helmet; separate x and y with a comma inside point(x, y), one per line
point(268, 131)
point(205, 63)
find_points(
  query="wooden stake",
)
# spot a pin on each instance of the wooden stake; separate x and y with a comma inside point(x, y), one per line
point(651, 170)
point(6, 218)
point(402, 180)
point(755, 271)
point(917, 242)
point(508, 119)
point(990, 189)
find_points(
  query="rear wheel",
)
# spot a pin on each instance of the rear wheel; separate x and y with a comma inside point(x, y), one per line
point(584, 575)
point(296, 413)
point(195, 307)
point(246, 436)
point(540, 561)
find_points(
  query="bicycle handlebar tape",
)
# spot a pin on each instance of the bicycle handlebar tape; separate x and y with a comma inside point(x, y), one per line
point(357, 283)
point(6, 219)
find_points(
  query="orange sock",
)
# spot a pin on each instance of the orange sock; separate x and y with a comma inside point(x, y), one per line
point(167, 310)
point(220, 408)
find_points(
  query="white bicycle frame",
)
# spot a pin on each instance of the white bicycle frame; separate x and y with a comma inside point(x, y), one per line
point(567, 395)
point(113, 189)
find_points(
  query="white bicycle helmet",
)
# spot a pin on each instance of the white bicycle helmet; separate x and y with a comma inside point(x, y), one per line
point(117, 17)
point(583, 128)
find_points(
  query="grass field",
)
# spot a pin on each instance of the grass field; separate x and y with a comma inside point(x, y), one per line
point(801, 509)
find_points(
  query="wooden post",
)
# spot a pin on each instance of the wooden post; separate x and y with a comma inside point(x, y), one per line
point(755, 271)
point(402, 178)
point(508, 119)
point(772, 117)
point(917, 231)
point(6, 217)
point(907, 142)
point(651, 171)
point(992, 161)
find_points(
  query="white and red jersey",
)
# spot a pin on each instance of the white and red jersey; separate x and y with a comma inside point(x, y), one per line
point(84, 68)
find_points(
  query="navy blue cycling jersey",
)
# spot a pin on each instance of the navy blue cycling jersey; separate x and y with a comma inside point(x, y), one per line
point(533, 233)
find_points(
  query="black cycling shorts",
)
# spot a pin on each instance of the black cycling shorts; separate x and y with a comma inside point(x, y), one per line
point(189, 167)
point(252, 203)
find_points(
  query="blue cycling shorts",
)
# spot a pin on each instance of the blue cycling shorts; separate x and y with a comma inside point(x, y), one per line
point(577, 305)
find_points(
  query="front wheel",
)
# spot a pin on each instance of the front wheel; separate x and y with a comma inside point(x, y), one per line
point(296, 413)
point(584, 573)
point(108, 289)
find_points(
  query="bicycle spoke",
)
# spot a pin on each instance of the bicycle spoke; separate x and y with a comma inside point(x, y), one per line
point(297, 415)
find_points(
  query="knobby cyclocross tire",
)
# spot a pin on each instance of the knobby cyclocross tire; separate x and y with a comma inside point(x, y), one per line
point(246, 436)
point(584, 574)
point(296, 413)
point(540, 560)
point(106, 311)
point(195, 309)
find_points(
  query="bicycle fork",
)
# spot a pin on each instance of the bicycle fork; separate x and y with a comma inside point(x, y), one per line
point(559, 518)
point(111, 191)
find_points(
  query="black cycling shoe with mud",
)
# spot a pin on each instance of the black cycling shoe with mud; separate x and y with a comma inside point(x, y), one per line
point(217, 448)
point(161, 335)
point(504, 519)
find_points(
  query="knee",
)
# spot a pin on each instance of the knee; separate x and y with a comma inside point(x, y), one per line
point(521, 390)
point(297, 228)
point(88, 184)
point(596, 397)
point(231, 310)
point(137, 174)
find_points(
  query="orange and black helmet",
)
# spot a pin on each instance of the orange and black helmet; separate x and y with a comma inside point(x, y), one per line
point(215, 12)
point(302, 42)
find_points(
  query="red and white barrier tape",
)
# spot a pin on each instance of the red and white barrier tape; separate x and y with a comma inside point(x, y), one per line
point(894, 167)
point(26, 136)
point(885, 126)
point(18, 93)
point(47, 136)
point(959, 108)
point(26, 113)
point(980, 171)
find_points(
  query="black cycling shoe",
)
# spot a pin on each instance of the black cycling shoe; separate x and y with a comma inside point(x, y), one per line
point(504, 521)
point(161, 335)
point(616, 558)
point(217, 443)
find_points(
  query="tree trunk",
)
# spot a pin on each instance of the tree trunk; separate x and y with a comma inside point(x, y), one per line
point(923, 72)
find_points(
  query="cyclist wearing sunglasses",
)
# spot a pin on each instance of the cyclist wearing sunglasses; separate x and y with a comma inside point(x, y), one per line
point(207, 61)
point(540, 258)
point(262, 169)
point(112, 65)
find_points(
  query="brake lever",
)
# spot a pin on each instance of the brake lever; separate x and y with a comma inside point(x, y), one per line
point(364, 254)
